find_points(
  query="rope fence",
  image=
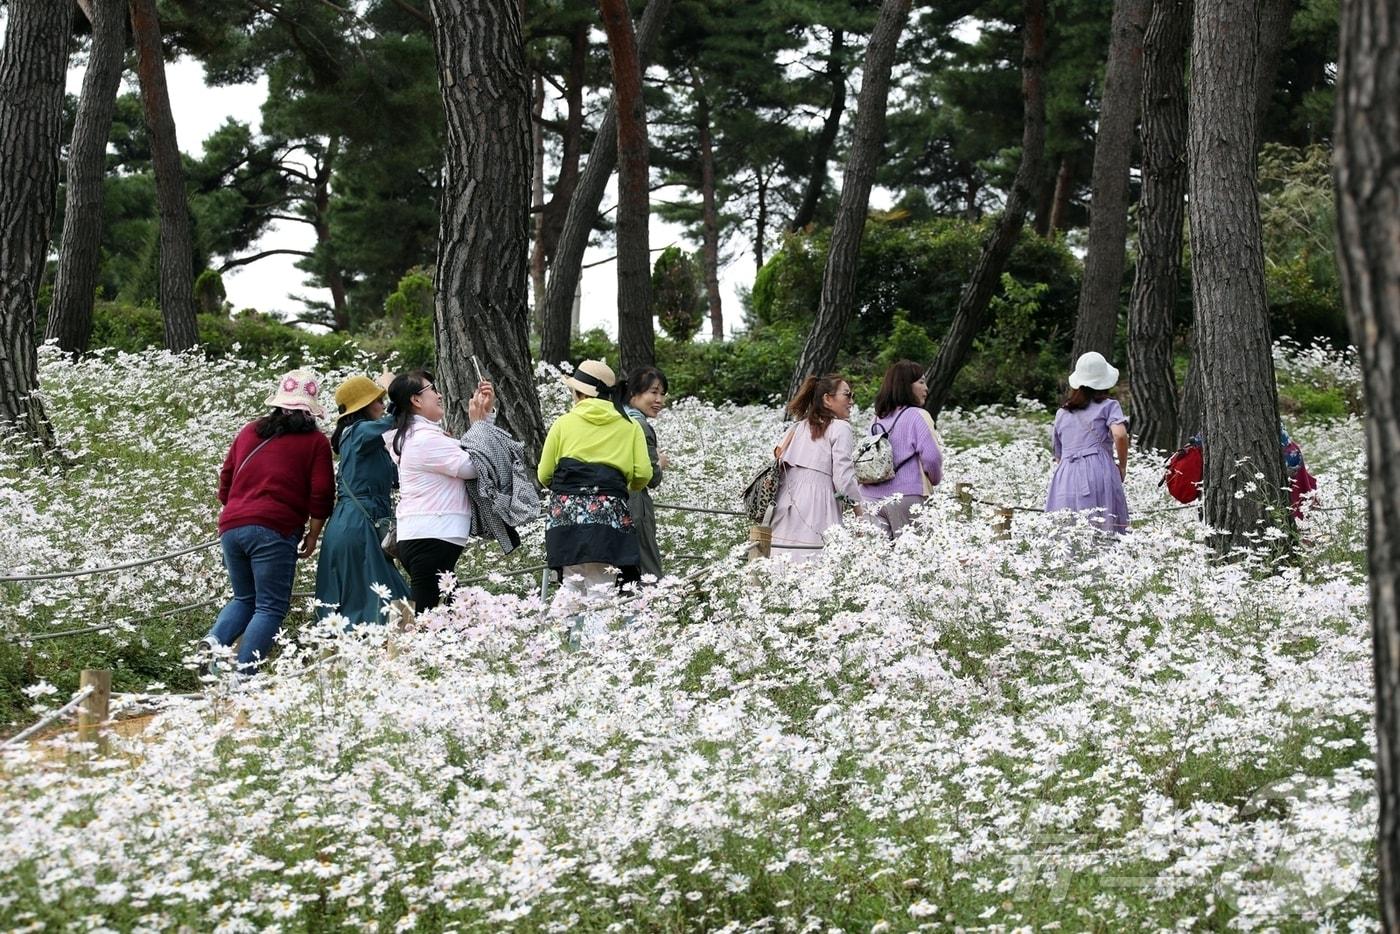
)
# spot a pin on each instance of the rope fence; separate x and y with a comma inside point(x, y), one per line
point(84, 572)
point(963, 493)
point(82, 695)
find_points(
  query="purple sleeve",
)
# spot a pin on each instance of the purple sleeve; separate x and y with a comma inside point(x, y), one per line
point(1055, 434)
point(1113, 413)
point(929, 456)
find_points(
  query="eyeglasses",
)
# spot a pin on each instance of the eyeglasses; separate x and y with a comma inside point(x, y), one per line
point(847, 394)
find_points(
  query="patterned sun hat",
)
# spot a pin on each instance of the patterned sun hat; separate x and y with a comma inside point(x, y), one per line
point(298, 390)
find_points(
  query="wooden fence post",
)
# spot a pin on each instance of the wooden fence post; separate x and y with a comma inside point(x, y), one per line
point(760, 542)
point(1001, 525)
point(92, 713)
point(963, 491)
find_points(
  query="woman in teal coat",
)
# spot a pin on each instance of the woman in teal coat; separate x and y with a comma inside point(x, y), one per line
point(352, 561)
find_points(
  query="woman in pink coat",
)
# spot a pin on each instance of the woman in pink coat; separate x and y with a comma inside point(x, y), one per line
point(817, 452)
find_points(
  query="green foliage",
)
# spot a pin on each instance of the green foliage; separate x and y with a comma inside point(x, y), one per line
point(1002, 363)
point(910, 276)
point(209, 294)
point(407, 325)
point(677, 294)
point(1299, 223)
point(249, 334)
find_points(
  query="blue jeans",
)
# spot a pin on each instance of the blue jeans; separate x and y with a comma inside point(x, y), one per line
point(261, 564)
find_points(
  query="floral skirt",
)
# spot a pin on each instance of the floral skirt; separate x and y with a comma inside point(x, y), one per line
point(584, 527)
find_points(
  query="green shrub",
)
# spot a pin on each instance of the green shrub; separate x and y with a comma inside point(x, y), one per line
point(677, 293)
point(249, 334)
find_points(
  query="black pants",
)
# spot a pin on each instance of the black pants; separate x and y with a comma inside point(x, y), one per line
point(424, 559)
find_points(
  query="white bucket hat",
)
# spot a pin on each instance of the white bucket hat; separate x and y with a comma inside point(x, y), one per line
point(591, 376)
point(1093, 371)
point(298, 390)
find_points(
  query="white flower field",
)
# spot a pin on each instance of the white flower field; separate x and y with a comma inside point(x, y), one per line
point(953, 732)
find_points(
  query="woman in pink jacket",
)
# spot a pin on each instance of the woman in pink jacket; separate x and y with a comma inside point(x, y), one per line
point(434, 519)
point(817, 452)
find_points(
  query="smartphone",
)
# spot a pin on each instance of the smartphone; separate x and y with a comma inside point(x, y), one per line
point(477, 367)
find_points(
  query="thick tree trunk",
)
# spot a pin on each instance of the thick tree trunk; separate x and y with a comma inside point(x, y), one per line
point(32, 66)
point(1100, 293)
point(176, 255)
point(70, 314)
point(480, 284)
point(1367, 169)
point(1227, 269)
point(636, 335)
point(583, 210)
point(709, 248)
point(839, 277)
point(1152, 309)
point(1275, 18)
point(321, 223)
point(986, 275)
point(826, 138)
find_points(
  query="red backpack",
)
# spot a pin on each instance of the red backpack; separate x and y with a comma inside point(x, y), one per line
point(1183, 475)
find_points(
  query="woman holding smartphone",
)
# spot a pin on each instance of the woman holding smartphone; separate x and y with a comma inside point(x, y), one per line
point(434, 513)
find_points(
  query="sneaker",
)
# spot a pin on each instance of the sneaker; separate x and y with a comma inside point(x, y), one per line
point(209, 651)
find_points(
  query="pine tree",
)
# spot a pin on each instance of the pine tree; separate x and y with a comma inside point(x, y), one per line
point(32, 65)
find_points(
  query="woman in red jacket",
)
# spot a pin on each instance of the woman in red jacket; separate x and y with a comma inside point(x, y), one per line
point(277, 486)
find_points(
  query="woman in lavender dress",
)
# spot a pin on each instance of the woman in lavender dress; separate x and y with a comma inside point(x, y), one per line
point(918, 463)
point(817, 451)
point(1090, 429)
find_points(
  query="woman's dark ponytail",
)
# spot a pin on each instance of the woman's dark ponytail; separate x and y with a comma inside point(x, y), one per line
point(401, 392)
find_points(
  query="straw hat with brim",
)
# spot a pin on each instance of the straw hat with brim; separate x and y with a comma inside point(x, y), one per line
point(356, 393)
point(298, 390)
point(1093, 371)
point(590, 376)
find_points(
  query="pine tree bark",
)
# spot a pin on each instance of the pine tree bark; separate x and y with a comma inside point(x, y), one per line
point(176, 254)
point(1241, 422)
point(837, 302)
point(32, 66)
point(70, 313)
point(1096, 322)
point(480, 307)
point(636, 335)
point(709, 247)
point(971, 312)
point(1152, 309)
point(1367, 175)
point(567, 266)
point(826, 138)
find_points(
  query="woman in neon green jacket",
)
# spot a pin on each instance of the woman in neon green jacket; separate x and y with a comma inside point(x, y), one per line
point(593, 457)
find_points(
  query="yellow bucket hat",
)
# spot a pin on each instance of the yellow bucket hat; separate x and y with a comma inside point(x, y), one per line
point(356, 393)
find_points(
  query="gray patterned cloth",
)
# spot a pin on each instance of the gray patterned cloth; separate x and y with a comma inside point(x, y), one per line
point(503, 495)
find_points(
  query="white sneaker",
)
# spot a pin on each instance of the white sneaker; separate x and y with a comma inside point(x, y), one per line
point(209, 650)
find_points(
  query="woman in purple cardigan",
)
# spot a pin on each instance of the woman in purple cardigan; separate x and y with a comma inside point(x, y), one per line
point(900, 414)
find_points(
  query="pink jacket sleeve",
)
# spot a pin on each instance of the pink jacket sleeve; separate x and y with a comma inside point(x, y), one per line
point(441, 454)
point(843, 469)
